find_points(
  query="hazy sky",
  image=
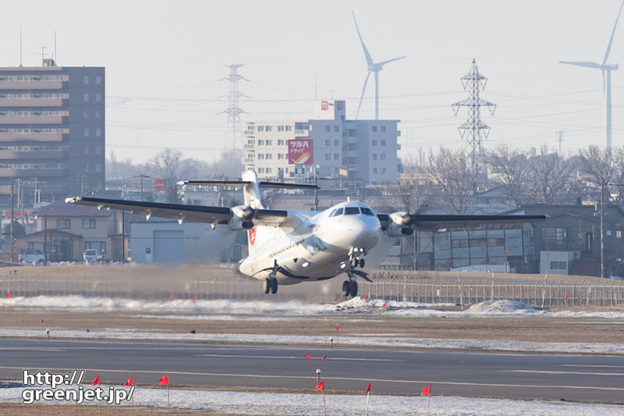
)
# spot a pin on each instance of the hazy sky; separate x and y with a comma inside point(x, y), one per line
point(164, 60)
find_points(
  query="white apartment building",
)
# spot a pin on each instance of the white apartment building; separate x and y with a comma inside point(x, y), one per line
point(359, 150)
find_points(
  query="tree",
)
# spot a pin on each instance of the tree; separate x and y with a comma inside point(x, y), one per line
point(511, 168)
point(596, 164)
point(452, 179)
point(548, 178)
point(170, 165)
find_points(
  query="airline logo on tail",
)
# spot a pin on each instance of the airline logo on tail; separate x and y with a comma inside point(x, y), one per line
point(252, 236)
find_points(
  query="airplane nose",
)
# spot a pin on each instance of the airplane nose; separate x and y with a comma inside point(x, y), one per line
point(368, 238)
point(360, 234)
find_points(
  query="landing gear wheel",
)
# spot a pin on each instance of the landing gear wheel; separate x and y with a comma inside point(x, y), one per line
point(266, 285)
point(273, 286)
point(361, 263)
point(353, 289)
point(346, 287)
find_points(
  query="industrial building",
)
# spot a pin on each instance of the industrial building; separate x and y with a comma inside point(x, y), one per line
point(360, 151)
point(52, 134)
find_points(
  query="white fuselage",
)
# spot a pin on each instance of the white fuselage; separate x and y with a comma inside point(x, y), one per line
point(316, 247)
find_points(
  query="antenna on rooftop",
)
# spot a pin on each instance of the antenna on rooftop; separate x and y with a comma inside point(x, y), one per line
point(560, 140)
point(20, 45)
point(43, 48)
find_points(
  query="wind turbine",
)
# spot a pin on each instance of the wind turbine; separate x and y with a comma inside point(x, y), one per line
point(372, 67)
point(606, 79)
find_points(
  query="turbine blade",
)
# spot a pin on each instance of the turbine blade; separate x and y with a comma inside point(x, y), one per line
point(369, 59)
point(606, 56)
point(362, 96)
point(382, 63)
point(585, 64)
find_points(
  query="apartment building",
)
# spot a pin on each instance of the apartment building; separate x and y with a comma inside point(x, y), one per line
point(52, 134)
point(359, 150)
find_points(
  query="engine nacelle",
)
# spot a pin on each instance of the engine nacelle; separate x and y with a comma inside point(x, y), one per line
point(242, 218)
point(395, 230)
point(402, 218)
point(239, 224)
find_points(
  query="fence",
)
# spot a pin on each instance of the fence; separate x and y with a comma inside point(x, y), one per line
point(467, 292)
point(399, 287)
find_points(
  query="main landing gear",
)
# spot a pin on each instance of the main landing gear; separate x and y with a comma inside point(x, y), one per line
point(270, 284)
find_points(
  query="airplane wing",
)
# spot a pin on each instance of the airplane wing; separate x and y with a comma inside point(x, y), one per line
point(196, 213)
point(439, 222)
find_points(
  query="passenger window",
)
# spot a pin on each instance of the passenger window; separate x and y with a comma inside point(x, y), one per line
point(352, 211)
point(338, 212)
point(366, 211)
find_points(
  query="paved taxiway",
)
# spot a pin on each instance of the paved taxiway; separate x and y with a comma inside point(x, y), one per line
point(462, 373)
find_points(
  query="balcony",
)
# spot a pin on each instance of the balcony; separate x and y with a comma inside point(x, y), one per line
point(25, 173)
point(32, 102)
point(249, 147)
point(250, 160)
point(304, 133)
point(251, 134)
point(350, 140)
point(33, 119)
point(33, 154)
point(31, 137)
point(31, 85)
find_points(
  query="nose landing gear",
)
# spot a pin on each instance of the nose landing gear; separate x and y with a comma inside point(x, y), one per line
point(356, 259)
point(350, 287)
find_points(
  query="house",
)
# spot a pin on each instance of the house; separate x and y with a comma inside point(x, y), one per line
point(63, 232)
point(568, 242)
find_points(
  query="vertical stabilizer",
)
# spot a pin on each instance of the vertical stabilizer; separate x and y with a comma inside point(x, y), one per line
point(253, 198)
point(251, 191)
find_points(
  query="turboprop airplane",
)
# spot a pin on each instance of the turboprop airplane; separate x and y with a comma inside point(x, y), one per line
point(289, 247)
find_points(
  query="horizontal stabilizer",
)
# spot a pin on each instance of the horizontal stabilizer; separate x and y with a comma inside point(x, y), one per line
point(243, 183)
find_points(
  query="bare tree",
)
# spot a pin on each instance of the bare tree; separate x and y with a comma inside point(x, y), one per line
point(548, 178)
point(169, 164)
point(452, 179)
point(511, 169)
point(596, 164)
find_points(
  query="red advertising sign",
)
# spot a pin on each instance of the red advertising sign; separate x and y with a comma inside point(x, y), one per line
point(159, 185)
point(300, 152)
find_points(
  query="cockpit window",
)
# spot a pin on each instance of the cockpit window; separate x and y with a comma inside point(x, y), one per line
point(366, 211)
point(352, 210)
point(337, 212)
point(331, 214)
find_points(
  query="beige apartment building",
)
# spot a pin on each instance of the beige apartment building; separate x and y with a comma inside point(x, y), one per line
point(364, 151)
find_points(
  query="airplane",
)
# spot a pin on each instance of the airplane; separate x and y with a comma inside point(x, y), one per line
point(289, 247)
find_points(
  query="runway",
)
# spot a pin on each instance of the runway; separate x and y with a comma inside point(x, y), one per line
point(452, 373)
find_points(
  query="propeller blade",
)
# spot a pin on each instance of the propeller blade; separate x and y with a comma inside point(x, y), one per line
point(382, 63)
point(369, 59)
point(362, 96)
point(585, 64)
point(606, 56)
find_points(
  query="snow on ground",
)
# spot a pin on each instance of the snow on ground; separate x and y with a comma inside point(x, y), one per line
point(502, 306)
point(371, 340)
point(354, 306)
point(344, 405)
